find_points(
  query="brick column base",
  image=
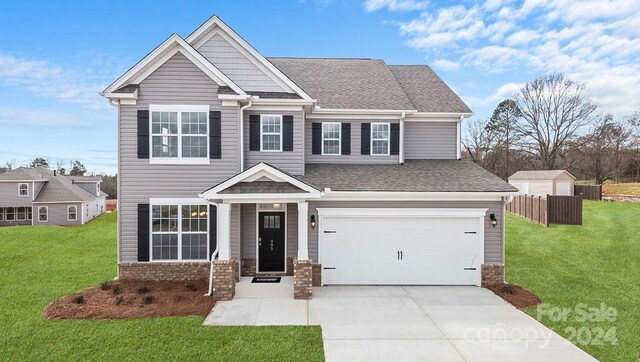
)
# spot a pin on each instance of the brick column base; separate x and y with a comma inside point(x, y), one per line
point(492, 274)
point(224, 278)
point(317, 275)
point(302, 279)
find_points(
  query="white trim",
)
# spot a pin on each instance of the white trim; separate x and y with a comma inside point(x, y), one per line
point(270, 133)
point(20, 184)
point(68, 211)
point(258, 211)
point(6, 209)
point(18, 213)
point(2, 213)
point(215, 21)
point(339, 124)
point(413, 196)
point(458, 138)
point(263, 198)
point(160, 55)
point(46, 213)
point(122, 96)
point(179, 160)
point(388, 139)
point(441, 115)
point(179, 108)
point(319, 110)
point(303, 231)
point(280, 107)
point(224, 231)
point(177, 200)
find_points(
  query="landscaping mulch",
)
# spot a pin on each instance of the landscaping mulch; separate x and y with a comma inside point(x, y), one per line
point(133, 299)
point(519, 297)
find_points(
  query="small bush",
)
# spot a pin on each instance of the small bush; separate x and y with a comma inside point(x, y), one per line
point(509, 289)
point(190, 286)
point(106, 285)
point(116, 288)
point(142, 289)
point(177, 298)
point(78, 299)
point(148, 299)
point(119, 300)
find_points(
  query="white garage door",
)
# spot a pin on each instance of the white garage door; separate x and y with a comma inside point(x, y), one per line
point(564, 188)
point(410, 249)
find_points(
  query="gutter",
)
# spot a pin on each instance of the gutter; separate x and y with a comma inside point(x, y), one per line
point(241, 131)
point(401, 146)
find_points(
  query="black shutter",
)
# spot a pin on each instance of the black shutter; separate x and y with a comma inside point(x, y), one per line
point(316, 138)
point(287, 133)
point(346, 139)
point(215, 133)
point(213, 229)
point(365, 146)
point(254, 132)
point(395, 139)
point(143, 133)
point(143, 232)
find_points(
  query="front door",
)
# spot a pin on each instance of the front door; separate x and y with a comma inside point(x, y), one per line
point(271, 248)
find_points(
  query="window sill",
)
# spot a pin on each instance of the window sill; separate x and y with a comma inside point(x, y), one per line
point(179, 161)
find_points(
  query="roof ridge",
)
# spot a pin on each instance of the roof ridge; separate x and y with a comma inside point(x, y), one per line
point(326, 58)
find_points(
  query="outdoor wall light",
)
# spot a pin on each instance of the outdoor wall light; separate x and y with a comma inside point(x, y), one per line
point(494, 221)
point(312, 223)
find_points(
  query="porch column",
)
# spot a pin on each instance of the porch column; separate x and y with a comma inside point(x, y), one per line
point(303, 234)
point(224, 235)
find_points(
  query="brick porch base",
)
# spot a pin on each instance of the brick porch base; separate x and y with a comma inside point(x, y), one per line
point(159, 271)
point(492, 274)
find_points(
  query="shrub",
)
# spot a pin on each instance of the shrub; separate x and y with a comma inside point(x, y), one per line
point(106, 285)
point(115, 289)
point(148, 299)
point(142, 289)
point(190, 286)
point(78, 299)
point(509, 289)
point(119, 300)
point(177, 298)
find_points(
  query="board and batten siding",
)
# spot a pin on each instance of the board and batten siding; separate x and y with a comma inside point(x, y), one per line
point(356, 141)
point(289, 161)
point(249, 227)
point(236, 66)
point(430, 140)
point(9, 194)
point(177, 82)
point(493, 243)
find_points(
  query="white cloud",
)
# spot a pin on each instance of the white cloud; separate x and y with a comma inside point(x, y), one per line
point(446, 65)
point(522, 37)
point(503, 92)
point(18, 116)
point(49, 80)
point(394, 5)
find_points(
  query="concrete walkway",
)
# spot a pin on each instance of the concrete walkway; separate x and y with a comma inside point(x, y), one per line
point(410, 323)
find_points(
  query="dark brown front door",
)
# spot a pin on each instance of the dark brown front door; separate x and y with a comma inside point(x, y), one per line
point(271, 251)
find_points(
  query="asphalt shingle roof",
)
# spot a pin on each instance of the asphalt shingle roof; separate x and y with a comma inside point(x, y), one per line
point(537, 175)
point(56, 188)
point(22, 174)
point(413, 176)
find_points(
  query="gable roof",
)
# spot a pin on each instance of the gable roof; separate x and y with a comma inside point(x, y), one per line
point(85, 178)
point(158, 57)
point(539, 175)
point(426, 90)
point(56, 188)
point(22, 174)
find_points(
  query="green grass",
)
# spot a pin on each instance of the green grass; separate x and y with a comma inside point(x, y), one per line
point(598, 262)
point(39, 264)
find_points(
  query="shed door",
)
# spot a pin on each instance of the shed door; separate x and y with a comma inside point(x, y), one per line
point(564, 188)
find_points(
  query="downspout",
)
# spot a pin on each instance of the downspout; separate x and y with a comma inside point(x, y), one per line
point(241, 127)
point(401, 151)
point(459, 138)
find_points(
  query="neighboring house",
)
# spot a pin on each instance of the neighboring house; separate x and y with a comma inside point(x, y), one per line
point(38, 196)
point(545, 182)
point(336, 171)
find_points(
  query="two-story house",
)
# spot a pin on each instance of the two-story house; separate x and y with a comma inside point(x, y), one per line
point(38, 196)
point(336, 171)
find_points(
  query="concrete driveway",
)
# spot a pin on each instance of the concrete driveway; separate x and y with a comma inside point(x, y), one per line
point(406, 323)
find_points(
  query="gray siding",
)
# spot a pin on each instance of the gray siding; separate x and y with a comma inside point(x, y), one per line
point(493, 252)
point(178, 81)
point(249, 230)
point(290, 161)
point(58, 214)
point(93, 209)
point(236, 66)
point(89, 186)
point(430, 140)
point(37, 186)
point(9, 194)
point(15, 221)
point(355, 156)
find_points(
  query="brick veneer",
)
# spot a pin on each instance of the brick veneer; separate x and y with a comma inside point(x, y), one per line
point(492, 274)
point(172, 271)
point(317, 275)
point(225, 274)
point(302, 279)
point(249, 268)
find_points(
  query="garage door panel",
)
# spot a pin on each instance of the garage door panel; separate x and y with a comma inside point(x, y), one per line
point(435, 250)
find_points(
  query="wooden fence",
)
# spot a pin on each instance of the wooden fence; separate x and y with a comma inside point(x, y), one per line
point(589, 192)
point(550, 210)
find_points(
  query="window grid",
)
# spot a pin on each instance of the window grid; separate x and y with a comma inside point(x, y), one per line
point(1, 213)
point(10, 214)
point(380, 139)
point(23, 190)
point(72, 213)
point(179, 134)
point(22, 213)
point(179, 232)
point(43, 214)
point(270, 133)
point(331, 138)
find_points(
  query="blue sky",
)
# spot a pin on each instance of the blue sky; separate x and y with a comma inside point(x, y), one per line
point(56, 56)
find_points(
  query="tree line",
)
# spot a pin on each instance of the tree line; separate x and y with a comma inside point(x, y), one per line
point(552, 124)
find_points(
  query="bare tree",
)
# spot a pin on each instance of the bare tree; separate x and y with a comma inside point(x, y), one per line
point(478, 141)
point(634, 128)
point(554, 110)
point(503, 123)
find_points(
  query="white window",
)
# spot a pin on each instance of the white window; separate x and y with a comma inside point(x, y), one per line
point(29, 213)
point(180, 132)
point(23, 189)
point(270, 132)
point(380, 139)
point(72, 213)
point(43, 213)
point(10, 214)
point(179, 232)
point(22, 213)
point(1, 213)
point(331, 134)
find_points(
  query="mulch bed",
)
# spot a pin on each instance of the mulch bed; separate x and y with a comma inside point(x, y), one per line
point(518, 296)
point(133, 299)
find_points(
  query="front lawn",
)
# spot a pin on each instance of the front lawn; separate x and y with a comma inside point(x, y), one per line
point(598, 262)
point(39, 264)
